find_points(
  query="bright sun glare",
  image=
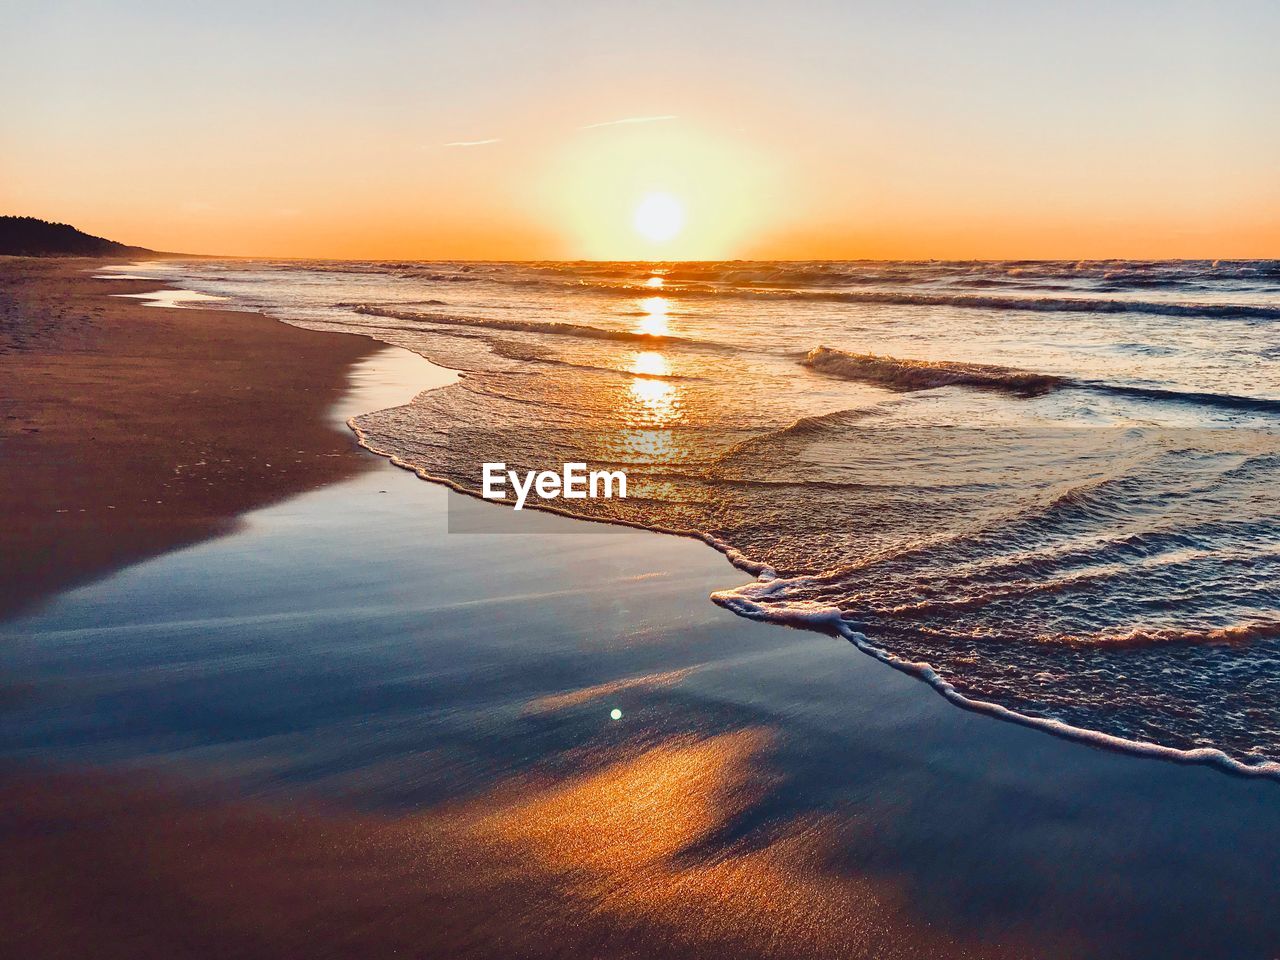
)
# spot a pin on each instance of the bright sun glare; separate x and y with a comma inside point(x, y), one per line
point(659, 217)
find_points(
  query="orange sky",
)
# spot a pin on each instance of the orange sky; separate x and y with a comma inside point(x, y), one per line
point(784, 131)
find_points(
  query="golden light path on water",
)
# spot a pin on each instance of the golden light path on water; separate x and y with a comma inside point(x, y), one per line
point(653, 403)
point(650, 405)
point(654, 319)
point(650, 363)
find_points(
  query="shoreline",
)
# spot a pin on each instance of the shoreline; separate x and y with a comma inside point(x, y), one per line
point(130, 430)
point(828, 620)
point(16, 597)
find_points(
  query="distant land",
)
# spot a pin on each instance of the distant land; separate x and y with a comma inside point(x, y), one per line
point(32, 237)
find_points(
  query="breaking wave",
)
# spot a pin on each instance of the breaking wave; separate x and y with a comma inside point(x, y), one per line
point(925, 374)
point(905, 375)
point(552, 327)
point(1205, 311)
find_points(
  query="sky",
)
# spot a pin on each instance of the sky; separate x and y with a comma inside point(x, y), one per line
point(536, 130)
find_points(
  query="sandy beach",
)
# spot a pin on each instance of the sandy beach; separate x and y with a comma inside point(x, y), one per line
point(129, 430)
point(303, 719)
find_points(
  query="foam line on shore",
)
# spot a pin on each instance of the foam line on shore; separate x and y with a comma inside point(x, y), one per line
point(744, 601)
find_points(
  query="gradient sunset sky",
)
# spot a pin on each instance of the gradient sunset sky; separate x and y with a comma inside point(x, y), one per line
point(785, 130)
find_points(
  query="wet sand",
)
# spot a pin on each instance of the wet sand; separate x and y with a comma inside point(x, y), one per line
point(343, 731)
point(593, 866)
point(127, 430)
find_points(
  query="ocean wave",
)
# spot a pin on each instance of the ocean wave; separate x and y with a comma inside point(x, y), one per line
point(528, 353)
point(1045, 286)
point(1144, 636)
point(552, 327)
point(762, 288)
point(906, 374)
point(905, 282)
point(1138, 272)
point(939, 283)
point(1204, 311)
point(899, 374)
point(358, 306)
point(1222, 401)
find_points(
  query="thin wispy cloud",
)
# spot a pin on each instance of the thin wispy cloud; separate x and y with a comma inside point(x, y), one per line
point(589, 126)
point(614, 123)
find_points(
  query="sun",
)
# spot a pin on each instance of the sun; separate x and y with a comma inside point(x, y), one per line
point(659, 217)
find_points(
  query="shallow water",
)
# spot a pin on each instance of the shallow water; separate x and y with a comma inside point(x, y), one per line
point(1046, 487)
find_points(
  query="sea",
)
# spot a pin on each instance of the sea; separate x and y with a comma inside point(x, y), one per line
point(1048, 489)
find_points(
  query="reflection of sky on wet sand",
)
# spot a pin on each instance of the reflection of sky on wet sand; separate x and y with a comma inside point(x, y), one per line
point(171, 299)
point(573, 698)
point(623, 860)
point(633, 839)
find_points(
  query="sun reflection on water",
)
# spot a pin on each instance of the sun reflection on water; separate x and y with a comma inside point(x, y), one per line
point(648, 407)
point(650, 363)
point(654, 320)
point(654, 403)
